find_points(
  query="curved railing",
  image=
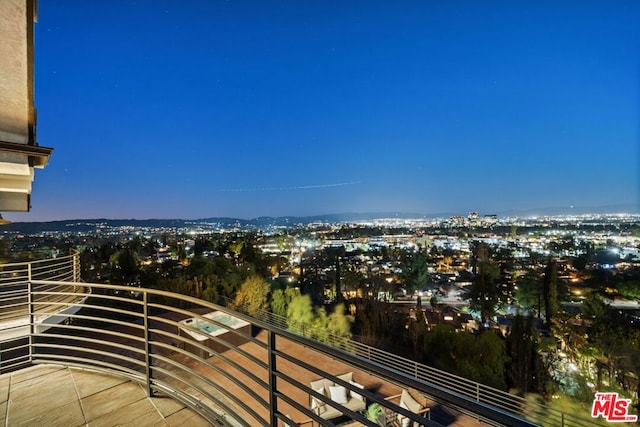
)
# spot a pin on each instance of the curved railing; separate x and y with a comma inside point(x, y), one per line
point(18, 292)
point(511, 403)
point(251, 376)
point(62, 269)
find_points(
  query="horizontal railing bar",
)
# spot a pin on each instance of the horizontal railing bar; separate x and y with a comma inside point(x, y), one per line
point(111, 309)
point(12, 298)
point(240, 351)
point(20, 362)
point(92, 340)
point(54, 268)
point(222, 372)
point(110, 321)
point(116, 369)
point(165, 387)
point(112, 298)
point(239, 402)
point(86, 350)
point(65, 293)
point(11, 281)
point(6, 269)
point(6, 350)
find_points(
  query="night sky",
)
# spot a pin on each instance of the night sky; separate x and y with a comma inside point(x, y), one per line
point(192, 109)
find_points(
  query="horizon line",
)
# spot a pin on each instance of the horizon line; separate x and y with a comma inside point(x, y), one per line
point(522, 213)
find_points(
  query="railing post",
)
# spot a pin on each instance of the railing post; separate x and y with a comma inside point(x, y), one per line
point(147, 359)
point(31, 312)
point(478, 397)
point(273, 402)
point(76, 262)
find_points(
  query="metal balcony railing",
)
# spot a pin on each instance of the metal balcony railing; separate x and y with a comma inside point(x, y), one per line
point(19, 294)
point(253, 375)
point(514, 404)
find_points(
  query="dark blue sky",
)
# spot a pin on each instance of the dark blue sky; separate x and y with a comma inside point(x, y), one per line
point(203, 108)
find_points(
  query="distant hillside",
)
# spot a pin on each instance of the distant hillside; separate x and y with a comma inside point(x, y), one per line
point(340, 217)
point(90, 225)
point(87, 225)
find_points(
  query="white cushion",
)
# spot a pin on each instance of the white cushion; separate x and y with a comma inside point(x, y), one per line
point(322, 383)
point(318, 383)
point(355, 395)
point(404, 421)
point(410, 402)
point(338, 394)
point(315, 402)
point(346, 377)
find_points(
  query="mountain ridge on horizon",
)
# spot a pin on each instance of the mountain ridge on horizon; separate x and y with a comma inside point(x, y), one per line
point(90, 223)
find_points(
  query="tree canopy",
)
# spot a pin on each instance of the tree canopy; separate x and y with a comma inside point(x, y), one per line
point(253, 296)
point(415, 271)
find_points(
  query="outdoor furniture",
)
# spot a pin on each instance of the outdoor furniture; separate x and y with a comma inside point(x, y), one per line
point(347, 398)
point(410, 400)
point(198, 330)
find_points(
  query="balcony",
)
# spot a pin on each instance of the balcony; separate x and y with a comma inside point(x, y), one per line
point(222, 369)
point(55, 395)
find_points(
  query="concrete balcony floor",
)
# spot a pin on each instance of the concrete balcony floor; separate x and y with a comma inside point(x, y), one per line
point(52, 395)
